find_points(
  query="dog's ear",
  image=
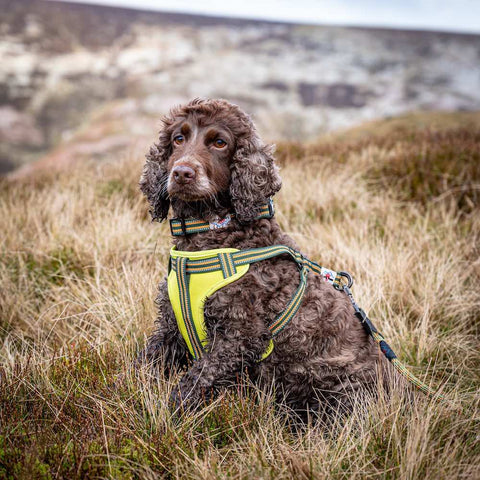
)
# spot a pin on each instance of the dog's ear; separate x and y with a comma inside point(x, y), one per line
point(255, 178)
point(153, 182)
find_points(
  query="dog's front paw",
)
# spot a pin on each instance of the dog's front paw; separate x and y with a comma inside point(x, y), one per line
point(182, 399)
point(177, 400)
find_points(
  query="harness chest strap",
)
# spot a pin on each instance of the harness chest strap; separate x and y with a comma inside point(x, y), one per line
point(218, 268)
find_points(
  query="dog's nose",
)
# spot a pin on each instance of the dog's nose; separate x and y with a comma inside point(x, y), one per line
point(183, 174)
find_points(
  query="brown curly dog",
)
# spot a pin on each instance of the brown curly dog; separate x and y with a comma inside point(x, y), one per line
point(210, 162)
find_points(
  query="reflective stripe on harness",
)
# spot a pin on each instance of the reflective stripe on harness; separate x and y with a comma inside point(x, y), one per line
point(195, 276)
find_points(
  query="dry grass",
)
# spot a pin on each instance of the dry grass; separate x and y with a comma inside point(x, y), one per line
point(80, 264)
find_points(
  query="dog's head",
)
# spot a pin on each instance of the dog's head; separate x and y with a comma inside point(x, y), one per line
point(209, 154)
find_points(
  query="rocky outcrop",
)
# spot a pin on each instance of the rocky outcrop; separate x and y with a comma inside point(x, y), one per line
point(65, 64)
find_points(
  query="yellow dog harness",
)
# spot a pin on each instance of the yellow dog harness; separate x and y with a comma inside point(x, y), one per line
point(195, 276)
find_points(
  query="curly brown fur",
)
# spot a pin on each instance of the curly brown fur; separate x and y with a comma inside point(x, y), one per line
point(324, 356)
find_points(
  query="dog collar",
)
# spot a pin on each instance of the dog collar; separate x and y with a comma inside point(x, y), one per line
point(187, 226)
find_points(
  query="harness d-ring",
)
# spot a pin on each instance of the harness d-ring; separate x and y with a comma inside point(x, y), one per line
point(348, 277)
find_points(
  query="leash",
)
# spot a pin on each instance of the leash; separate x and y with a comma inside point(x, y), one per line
point(384, 346)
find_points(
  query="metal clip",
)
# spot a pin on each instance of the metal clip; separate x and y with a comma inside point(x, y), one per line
point(348, 277)
point(271, 208)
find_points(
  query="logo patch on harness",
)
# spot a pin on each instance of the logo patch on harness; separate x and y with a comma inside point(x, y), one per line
point(328, 275)
point(220, 223)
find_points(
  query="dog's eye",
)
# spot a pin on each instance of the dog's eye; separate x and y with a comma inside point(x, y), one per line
point(178, 140)
point(219, 143)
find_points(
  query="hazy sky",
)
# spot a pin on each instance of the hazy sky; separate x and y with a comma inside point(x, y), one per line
point(450, 15)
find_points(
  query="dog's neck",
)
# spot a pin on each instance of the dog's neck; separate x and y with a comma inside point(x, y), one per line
point(258, 233)
point(208, 209)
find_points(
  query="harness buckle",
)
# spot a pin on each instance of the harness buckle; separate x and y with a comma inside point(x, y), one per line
point(302, 263)
point(182, 225)
point(271, 207)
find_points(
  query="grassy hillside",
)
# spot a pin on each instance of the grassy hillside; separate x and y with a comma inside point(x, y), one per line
point(395, 203)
